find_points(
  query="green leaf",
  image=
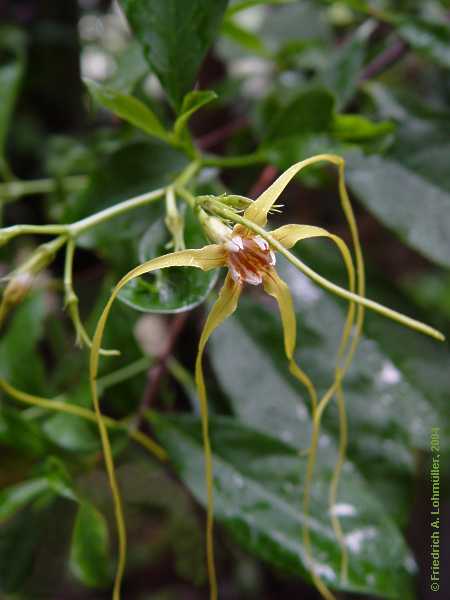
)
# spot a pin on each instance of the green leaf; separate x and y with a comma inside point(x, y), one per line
point(12, 43)
point(72, 433)
point(131, 69)
point(19, 540)
point(169, 290)
point(192, 102)
point(257, 495)
point(17, 496)
point(128, 108)
point(175, 35)
point(89, 553)
point(20, 364)
point(309, 111)
point(356, 128)
point(342, 72)
point(429, 38)
point(133, 169)
point(417, 210)
point(58, 478)
point(16, 431)
point(248, 40)
point(388, 413)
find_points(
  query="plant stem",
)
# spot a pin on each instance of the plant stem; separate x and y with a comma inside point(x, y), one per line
point(71, 302)
point(243, 160)
point(323, 282)
point(138, 366)
point(16, 189)
point(84, 413)
point(79, 227)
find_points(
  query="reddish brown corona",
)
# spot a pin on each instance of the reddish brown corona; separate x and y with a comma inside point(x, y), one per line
point(248, 258)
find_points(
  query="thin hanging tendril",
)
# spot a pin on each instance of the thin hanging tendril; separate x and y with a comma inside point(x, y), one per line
point(204, 258)
point(336, 388)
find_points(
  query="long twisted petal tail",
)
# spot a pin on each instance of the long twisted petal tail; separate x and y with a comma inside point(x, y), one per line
point(205, 258)
point(289, 235)
point(259, 209)
point(224, 307)
point(278, 289)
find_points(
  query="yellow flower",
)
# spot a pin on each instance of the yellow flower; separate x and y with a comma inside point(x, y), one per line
point(247, 251)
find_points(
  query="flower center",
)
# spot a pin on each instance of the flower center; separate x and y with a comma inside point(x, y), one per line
point(248, 258)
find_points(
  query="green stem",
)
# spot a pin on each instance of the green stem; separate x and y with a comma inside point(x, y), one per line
point(79, 227)
point(16, 189)
point(322, 281)
point(125, 373)
point(71, 302)
point(84, 413)
point(243, 160)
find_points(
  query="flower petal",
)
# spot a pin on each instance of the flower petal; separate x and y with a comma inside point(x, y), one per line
point(278, 289)
point(205, 258)
point(289, 235)
point(225, 306)
point(258, 210)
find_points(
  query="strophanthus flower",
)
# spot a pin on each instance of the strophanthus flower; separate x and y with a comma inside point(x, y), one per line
point(248, 252)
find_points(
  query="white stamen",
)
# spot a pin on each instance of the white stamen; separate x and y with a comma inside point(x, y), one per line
point(235, 273)
point(261, 242)
point(235, 244)
point(253, 278)
point(273, 260)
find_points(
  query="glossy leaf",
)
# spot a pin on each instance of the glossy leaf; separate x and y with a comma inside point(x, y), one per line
point(176, 36)
point(382, 401)
point(128, 108)
point(429, 38)
point(134, 169)
point(89, 554)
point(395, 195)
point(169, 290)
point(257, 492)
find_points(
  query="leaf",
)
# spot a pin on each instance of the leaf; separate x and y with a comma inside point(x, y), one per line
point(128, 108)
point(89, 553)
point(72, 433)
point(429, 38)
point(20, 364)
point(12, 43)
point(131, 69)
point(175, 35)
point(246, 39)
point(342, 72)
point(169, 290)
point(133, 169)
point(15, 497)
point(19, 433)
point(310, 111)
point(356, 128)
point(192, 102)
point(257, 494)
point(19, 541)
point(388, 413)
point(417, 210)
